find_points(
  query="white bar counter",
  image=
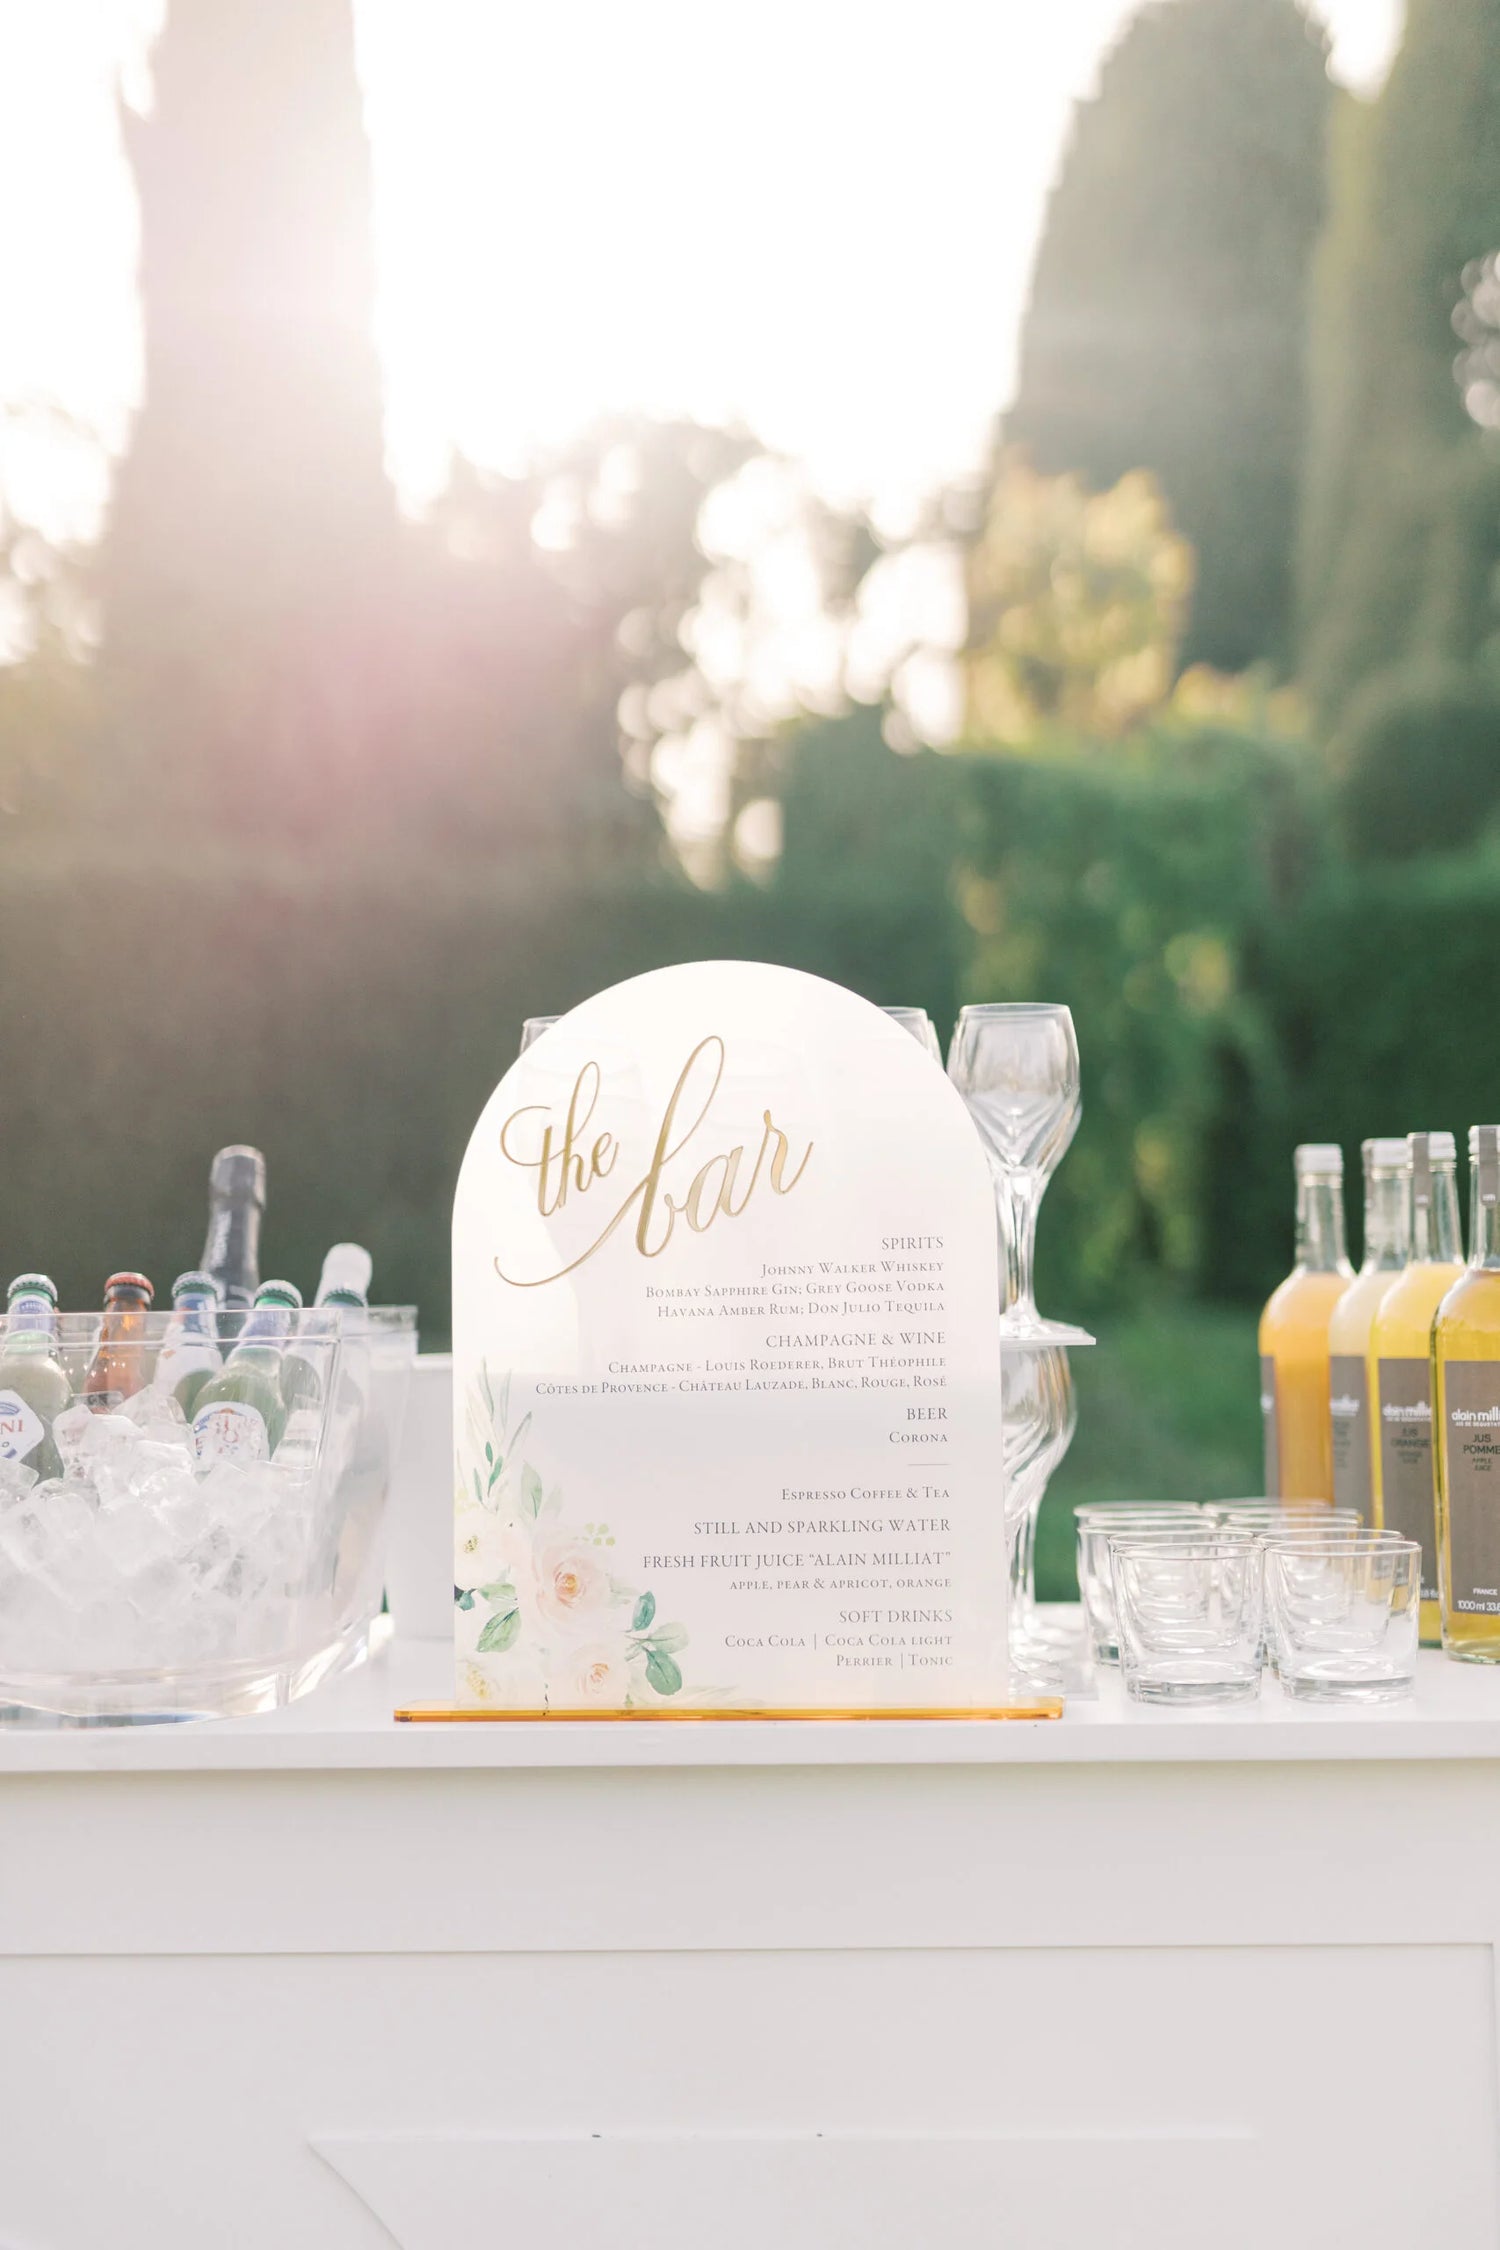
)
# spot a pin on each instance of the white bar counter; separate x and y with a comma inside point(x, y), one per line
point(1153, 1980)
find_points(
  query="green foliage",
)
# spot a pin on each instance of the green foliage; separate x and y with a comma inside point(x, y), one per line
point(1400, 528)
point(1165, 329)
point(1168, 1409)
point(351, 1023)
point(1076, 607)
point(1420, 752)
point(1137, 885)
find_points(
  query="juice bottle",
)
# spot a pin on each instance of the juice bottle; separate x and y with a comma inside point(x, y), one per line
point(1401, 1362)
point(1466, 1415)
point(1294, 1334)
point(1387, 1167)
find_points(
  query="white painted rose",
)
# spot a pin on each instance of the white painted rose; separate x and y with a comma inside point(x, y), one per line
point(572, 1584)
point(482, 1547)
point(595, 1673)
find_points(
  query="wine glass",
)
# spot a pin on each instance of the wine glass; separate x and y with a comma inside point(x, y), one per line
point(532, 1029)
point(1016, 1066)
point(921, 1026)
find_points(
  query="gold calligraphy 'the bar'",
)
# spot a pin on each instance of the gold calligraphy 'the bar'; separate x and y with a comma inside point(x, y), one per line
point(567, 1168)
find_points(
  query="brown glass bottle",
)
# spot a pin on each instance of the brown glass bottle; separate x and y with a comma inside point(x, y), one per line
point(122, 1359)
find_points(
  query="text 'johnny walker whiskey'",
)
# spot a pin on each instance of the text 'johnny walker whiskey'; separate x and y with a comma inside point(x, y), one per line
point(1401, 1362)
point(1466, 1412)
point(1294, 1334)
point(1387, 1167)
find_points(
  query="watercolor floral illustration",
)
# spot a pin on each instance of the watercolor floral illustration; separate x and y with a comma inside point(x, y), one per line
point(543, 1621)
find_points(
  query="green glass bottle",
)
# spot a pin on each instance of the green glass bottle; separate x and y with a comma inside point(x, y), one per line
point(241, 1412)
point(34, 1390)
point(190, 1353)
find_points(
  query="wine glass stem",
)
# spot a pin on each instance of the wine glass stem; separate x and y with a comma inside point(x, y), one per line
point(1018, 1238)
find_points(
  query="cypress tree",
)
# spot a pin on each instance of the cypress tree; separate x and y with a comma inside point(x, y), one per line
point(1167, 314)
point(1398, 539)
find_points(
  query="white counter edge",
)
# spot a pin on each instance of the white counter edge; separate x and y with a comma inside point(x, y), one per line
point(348, 1727)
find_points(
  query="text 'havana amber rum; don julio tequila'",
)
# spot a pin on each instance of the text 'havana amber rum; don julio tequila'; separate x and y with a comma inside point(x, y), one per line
point(1466, 1409)
point(1401, 1362)
point(1387, 1166)
point(1294, 1334)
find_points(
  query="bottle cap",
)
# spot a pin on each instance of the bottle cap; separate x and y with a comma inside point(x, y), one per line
point(1484, 1156)
point(1437, 1148)
point(195, 1284)
point(280, 1293)
point(237, 1174)
point(32, 1285)
point(350, 1299)
point(131, 1284)
point(1390, 1155)
point(1319, 1157)
point(347, 1267)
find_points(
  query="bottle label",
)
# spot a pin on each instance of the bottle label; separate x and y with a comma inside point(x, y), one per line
point(33, 1310)
point(1272, 1487)
point(21, 1428)
point(1349, 1411)
point(1471, 1458)
point(230, 1430)
point(1406, 1459)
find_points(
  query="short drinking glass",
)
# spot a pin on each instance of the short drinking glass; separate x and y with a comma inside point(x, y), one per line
point(1189, 1616)
point(1342, 1616)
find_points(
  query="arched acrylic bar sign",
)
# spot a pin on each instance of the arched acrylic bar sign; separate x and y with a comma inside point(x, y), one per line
point(727, 1412)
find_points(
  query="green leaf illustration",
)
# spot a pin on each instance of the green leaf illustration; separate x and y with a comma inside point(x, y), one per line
point(500, 1632)
point(479, 1496)
point(531, 1490)
point(501, 1414)
point(464, 1597)
point(645, 1610)
point(496, 1470)
point(500, 1594)
point(668, 1637)
point(489, 1450)
point(661, 1671)
point(513, 1445)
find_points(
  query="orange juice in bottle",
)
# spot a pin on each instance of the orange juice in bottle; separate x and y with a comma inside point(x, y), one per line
point(1294, 1335)
point(1466, 1422)
point(1401, 1363)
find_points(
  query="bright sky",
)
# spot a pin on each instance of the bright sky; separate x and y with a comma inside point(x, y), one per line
point(814, 215)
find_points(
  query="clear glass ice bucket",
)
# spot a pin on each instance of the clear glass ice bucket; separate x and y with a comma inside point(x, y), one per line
point(144, 1583)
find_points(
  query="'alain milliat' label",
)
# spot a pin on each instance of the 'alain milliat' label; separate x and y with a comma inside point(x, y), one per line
point(1406, 1459)
point(1471, 1437)
point(1349, 1410)
point(1272, 1485)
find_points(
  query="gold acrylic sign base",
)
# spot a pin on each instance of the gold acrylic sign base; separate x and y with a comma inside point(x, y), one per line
point(1048, 1707)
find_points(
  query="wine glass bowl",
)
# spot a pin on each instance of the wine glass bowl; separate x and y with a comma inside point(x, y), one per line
point(1016, 1065)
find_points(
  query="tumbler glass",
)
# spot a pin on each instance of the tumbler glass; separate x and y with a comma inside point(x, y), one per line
point(1189, 1615)
point(1343, 1616)
point(1096, 1525)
